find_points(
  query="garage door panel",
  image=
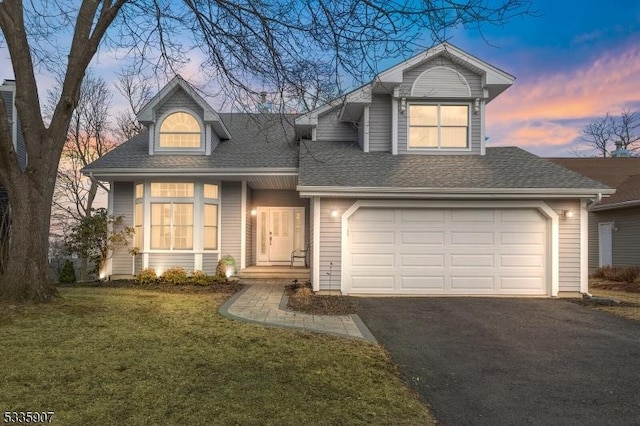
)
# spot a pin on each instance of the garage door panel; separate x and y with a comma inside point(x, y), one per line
point(473, 216)
point(472, 238)
point(420, 215)
point(373, 260)
point(422, 283)
point(472, 283)
point(409, 260)
point(521, 261)
point(372, 237)
point(448, 251)
point(422, 238)
point(364, 216)
point(472, 260)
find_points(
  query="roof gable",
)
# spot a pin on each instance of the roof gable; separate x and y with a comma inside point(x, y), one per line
point(147, 114)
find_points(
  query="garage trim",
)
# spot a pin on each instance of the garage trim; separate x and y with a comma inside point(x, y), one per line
point(540, 205)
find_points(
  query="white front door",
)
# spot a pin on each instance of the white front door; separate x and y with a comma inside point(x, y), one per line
point(280, 231)
point(605, 244)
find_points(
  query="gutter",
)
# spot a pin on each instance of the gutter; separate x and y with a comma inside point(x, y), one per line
point(621, 204)
point(287, 171)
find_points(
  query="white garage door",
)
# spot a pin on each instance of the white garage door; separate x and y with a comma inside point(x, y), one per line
point(447, 251)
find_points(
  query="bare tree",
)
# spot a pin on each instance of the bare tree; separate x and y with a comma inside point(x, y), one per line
point(603, 135)
point(242, 42)
point(626, 129)
point(89, 137)
point(138, 92)
point(597, 135)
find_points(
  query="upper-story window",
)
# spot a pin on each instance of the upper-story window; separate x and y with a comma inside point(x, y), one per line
point(438, 126)
point(180, 130)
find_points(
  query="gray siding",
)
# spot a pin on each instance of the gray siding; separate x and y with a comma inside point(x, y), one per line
point(569, 244)
point(380, 123)
point(209, 263)
point(163, 261)
point(331, 129)
point(122, 192)
point(138, 264)
point(231, 219)
point(21, 147)
point(475, 83)
point(180, 99)
point(625, 240)
point(331, 242)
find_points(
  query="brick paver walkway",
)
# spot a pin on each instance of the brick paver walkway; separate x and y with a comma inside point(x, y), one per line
point(264, 302)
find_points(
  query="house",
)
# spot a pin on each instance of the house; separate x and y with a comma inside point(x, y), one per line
point(614, 222)
point(391, 187)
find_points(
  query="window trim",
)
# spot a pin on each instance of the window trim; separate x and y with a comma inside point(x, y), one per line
point(156, 142)
point(439, 148)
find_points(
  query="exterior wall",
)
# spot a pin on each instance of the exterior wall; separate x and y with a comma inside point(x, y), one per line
point(569, 244)
point(121, 260)
point(331, 243)
point(209, 263)
point(138, 264)
point(331, 129)
point(380, 123)
point(180, 99)
point(475, 84)
point(625, 240)
point(162, 261)
point(230, 210)
point(21, 148)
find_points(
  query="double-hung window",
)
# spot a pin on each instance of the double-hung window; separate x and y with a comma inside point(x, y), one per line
point(172, 216)
point(438, 126)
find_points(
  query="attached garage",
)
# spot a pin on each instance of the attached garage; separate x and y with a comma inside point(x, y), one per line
point(490, 250)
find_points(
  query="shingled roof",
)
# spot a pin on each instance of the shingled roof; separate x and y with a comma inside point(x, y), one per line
point(623, 174)
point(344, 164)
point(258, 141)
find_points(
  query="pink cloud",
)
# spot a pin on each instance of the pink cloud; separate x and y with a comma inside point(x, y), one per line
point(544, 111)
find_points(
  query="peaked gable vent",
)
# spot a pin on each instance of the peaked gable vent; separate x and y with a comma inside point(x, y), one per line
point(441, 82)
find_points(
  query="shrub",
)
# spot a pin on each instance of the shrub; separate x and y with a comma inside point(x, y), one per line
point(175, 276)
point(200, 278)
point(68, 273)
point(147, 276)
point(627, 274)
point(219, 279)
point(226, 262)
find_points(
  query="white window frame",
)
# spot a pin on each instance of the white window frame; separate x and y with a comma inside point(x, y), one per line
point(198, 201)
point(184, 150)
point(439, 148)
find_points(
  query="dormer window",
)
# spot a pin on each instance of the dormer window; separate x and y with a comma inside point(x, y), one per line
point(180, 130)
point(438, 126)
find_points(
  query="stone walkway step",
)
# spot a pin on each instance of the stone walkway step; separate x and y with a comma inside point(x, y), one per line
point(265, 302)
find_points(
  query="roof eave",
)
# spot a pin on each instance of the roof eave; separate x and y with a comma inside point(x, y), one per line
point(618, 205)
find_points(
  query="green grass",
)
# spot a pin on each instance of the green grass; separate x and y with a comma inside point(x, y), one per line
point(127, 356)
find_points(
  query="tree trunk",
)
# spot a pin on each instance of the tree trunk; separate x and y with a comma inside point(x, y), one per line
point(26, 276)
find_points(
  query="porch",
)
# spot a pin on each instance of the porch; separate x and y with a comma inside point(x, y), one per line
point(275, 272)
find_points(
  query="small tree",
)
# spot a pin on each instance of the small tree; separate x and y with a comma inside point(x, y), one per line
point(95, 237)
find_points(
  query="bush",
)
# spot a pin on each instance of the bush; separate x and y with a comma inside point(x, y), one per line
point(200, 278)
point(68, 273)
point(175, 276)
point(219, 279)
point(227, 261)
point(147, 276)
point(627, 274)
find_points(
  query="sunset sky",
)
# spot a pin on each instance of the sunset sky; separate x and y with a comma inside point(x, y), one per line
point(574, 62)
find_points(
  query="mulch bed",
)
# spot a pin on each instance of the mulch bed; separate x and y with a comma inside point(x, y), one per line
point(614, 285)
point(302, 299)
point(229, 288)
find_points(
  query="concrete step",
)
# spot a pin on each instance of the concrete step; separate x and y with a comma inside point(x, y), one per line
point(275, 272)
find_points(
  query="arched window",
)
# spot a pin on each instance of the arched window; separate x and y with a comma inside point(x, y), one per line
point(180, 130)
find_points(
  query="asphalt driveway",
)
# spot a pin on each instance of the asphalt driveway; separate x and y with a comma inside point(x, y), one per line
point(512, 361)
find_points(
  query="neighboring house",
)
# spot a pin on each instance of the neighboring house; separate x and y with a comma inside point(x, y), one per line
point(8, 94)
point(391, 187)
point(614, 222)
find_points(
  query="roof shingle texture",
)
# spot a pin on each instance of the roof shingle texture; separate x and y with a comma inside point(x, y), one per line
point(258, 141)
point(620, 173)
point(343, 164)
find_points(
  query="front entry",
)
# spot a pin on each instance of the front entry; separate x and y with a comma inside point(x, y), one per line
point(280, 231)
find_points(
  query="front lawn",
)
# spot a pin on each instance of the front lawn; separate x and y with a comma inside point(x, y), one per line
point(130, 356)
